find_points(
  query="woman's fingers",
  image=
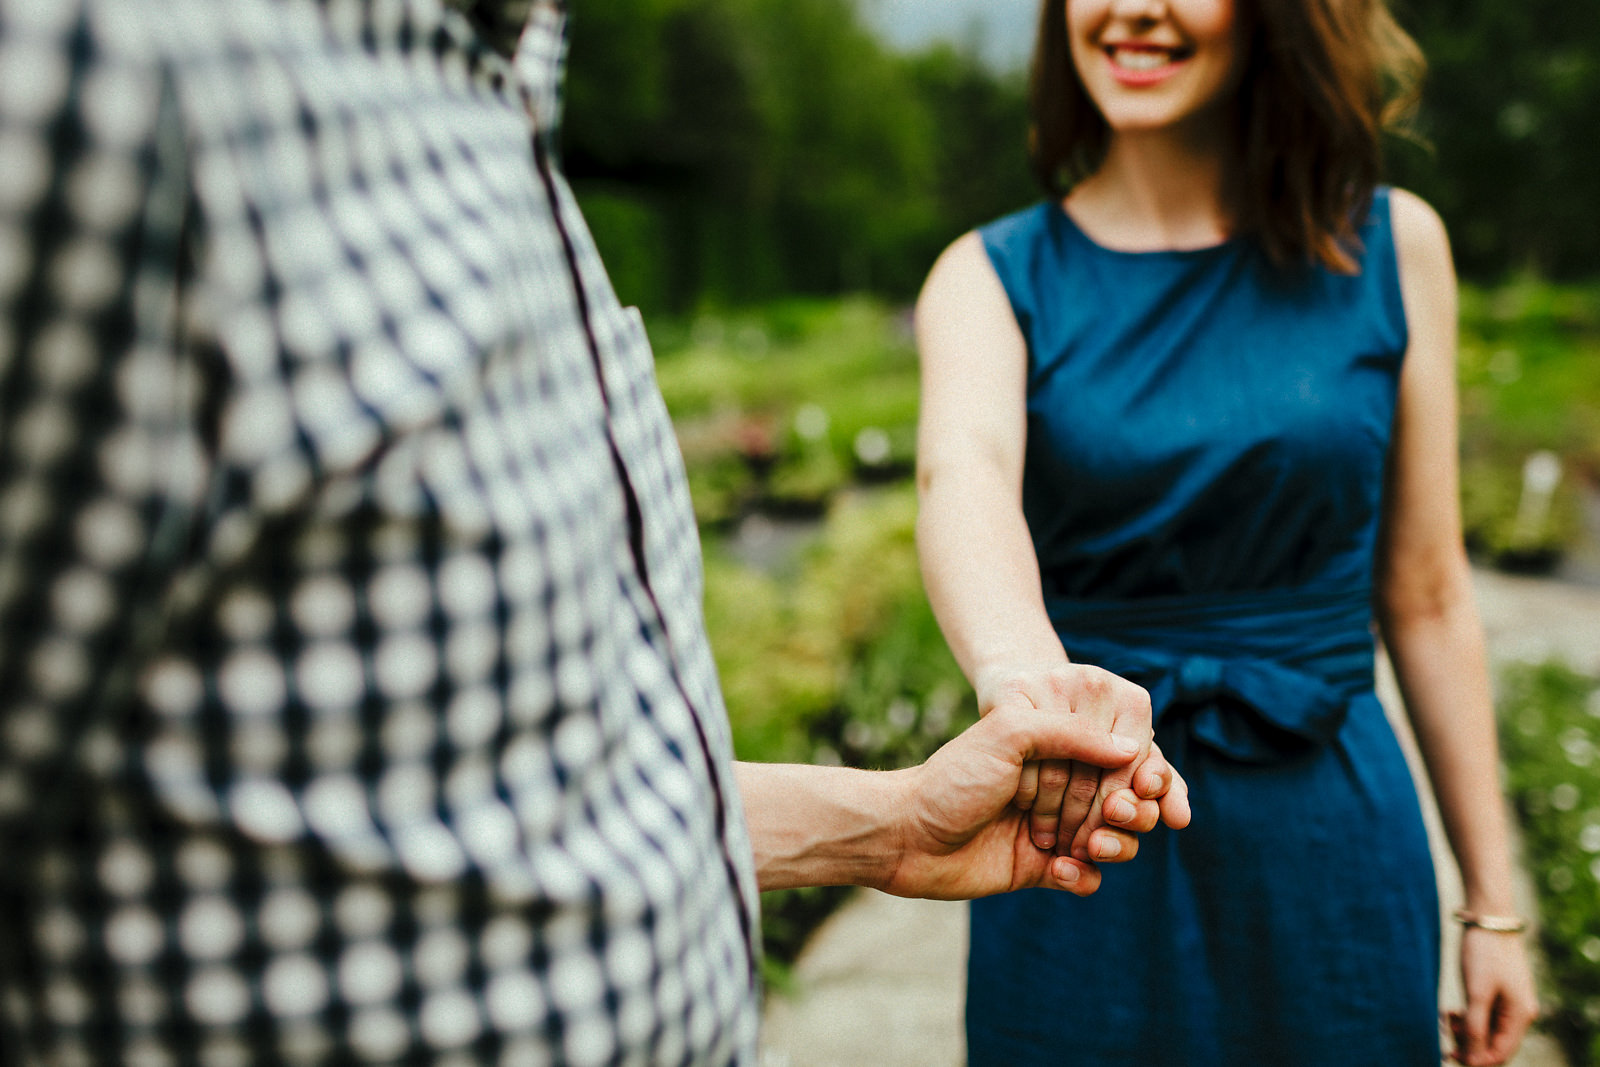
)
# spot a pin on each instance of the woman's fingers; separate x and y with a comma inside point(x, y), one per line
point(1476, 1025)
point(1108, 845)
point(1126, 811)
point(1045, 821)
point(1509, 1019)
point(1501, 998)
point(1158, 779)
point(1488, 1033)
point(1027, 786)
point(1077, 807)
point(1083, 880)
point(1175, 811)
point(1506, 1029)
point(1153, 777)
point(1110, 782)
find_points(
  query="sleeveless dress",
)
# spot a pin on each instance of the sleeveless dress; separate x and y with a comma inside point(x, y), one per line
point(1206, 446)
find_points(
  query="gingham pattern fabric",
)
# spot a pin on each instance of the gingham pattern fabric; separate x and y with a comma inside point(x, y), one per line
point(355, 705)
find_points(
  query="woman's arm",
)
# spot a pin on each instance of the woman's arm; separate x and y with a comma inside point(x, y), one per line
point(1431, 630)
point(976, 552)
point(977, 556)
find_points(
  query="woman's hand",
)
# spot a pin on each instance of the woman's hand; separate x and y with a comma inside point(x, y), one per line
point(1501, 1000)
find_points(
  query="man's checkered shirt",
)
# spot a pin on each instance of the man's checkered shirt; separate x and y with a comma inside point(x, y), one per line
point(355, 704)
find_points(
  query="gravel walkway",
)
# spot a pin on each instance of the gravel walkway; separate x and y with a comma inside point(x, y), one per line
point(881, 983)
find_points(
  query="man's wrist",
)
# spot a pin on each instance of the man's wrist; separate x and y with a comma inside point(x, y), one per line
point(897, 789)
point(825, 825)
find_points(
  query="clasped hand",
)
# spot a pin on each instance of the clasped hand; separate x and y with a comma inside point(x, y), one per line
point(974, 819)
point(1075, 808)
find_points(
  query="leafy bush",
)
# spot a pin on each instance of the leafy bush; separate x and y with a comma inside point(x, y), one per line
point(1530, 381)
point(1530, 369)
point(1550, 732)
point(841, 661)
point(779, 409)
point(1491, 503)
point(838, 662)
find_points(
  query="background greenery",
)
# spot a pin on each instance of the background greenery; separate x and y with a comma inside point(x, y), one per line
point(1550, 734)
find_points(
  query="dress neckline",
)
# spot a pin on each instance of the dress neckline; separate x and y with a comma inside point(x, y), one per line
point(1064, 218)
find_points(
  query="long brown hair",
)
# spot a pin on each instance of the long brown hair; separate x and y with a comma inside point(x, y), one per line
point(1322, 80)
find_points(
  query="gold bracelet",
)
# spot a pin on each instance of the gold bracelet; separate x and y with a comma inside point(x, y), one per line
point(1494, 924)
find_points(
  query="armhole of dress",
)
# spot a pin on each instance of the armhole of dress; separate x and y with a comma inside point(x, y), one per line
point(1003, 263)
point(1391, 296)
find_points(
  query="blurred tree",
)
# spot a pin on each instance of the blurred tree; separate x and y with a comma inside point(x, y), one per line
point(852, 148)
point(980, 170)
point(757, 147)
point(1511, 106)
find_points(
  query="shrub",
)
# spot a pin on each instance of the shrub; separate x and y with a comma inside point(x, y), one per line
point(1550, 728)
point(1530, 381)
point(837, 660)
point(781, 408)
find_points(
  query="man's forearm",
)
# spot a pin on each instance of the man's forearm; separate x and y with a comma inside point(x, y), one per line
point(821, 825)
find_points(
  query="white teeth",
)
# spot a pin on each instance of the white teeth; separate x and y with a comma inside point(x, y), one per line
point(1129, 59)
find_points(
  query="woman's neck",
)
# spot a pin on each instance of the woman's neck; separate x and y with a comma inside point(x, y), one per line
point(1155, 191)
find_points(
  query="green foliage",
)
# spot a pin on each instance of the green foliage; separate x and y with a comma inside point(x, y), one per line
point(1491, 498)
point(634, 235)
point(841, 662)
point(1510, 107)
point(772, 408)
point(1530, 381)
point(778, 147)
point(1550, 736)
point(781, 148)
point(1530, 365)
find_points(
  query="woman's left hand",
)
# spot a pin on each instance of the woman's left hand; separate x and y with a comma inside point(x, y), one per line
point(1501, 998)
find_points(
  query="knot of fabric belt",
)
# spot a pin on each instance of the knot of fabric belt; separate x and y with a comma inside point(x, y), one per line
point(1198, 679)
point(1260, 677)
point(1252, 710)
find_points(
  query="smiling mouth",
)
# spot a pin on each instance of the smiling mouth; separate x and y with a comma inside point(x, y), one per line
point(1144, 59)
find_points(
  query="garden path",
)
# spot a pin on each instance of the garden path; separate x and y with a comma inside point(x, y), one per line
point(881, 983)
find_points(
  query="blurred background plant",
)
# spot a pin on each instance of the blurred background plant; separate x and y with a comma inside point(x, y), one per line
point(1550, 733)
point(770, 182)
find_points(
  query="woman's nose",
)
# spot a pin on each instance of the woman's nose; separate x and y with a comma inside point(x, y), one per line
point(1138, 10)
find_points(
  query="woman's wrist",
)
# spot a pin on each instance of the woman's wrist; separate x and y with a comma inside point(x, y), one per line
point(989, 677)
point(1489, 894)
point(1491, 922)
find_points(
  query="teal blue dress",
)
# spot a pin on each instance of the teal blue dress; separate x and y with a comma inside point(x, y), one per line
point(1207, 439)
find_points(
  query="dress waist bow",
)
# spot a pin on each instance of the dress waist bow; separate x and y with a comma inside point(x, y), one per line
point(1260, 677)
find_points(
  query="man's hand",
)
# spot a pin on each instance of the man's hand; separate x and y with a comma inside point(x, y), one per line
point(963, 834)
point(1071, 802)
